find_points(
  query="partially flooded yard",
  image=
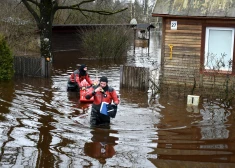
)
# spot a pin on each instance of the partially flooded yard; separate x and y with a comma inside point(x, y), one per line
point(43, 125)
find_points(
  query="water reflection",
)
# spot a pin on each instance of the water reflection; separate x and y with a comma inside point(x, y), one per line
point(45, 126)
point(6, 96)
point(134, 96)
point(102, 145)
point(78, 107)
point(195, 134)
point(213, 124)
point(45, 157)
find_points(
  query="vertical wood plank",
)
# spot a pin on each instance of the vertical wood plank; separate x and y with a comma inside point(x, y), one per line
point(134, 77)
point(27, 66)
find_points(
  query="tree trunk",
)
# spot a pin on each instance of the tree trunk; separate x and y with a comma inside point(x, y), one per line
point(44, 19)
point(45, 27)
point(146, 2)
point(45, 39)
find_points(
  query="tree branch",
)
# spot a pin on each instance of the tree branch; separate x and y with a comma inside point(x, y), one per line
point(34, 2)
point(85, 15)
point(104, 12)
point(31, 10)
point(83, 2)
point(74, 6)
point(101, 12)
point(77, 7)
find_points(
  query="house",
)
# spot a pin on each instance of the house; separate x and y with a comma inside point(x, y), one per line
point(197, 41)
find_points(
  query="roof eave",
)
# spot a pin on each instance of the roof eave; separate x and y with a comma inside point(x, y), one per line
point(192, 17)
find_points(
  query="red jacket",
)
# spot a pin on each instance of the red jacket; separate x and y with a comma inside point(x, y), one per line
point(100, 97)
point(75, 77)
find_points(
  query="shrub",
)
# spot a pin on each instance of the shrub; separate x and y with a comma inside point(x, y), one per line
point(6, 60)
point(106, 42)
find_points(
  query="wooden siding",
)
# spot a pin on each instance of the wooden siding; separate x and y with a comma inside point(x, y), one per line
point(186, 41)
point(187, 55)
point(184, 69)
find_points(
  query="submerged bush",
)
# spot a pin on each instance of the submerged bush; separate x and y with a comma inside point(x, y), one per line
point(106, 42)
point(6, 60)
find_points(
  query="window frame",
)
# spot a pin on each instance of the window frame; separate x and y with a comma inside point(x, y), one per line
point(205, 42)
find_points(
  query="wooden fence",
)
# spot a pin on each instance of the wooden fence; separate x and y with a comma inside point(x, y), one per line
point(28, 66)
point(134, 77)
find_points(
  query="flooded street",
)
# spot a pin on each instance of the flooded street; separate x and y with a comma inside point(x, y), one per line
point(43, 125)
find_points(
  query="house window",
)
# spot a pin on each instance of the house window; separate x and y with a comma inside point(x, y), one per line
point(219, 48)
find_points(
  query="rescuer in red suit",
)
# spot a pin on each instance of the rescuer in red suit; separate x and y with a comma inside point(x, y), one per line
point(79, 75)
point(102, 93)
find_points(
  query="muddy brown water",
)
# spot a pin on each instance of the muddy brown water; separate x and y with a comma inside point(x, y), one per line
point(43, 125)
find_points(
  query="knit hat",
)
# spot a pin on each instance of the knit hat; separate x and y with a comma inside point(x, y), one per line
point(83, 66)
point(104, 79)
point(82, 72)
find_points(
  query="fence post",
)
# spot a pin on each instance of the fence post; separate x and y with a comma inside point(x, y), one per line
point(134, 77)
point(121, 75)
point(46, 67)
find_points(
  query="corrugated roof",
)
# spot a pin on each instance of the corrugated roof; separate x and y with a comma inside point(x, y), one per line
point(195, 8)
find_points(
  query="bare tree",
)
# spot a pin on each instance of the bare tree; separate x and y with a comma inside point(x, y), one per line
point(141, 10)
point(74, 17)
point(18, 28)
point(44, 11)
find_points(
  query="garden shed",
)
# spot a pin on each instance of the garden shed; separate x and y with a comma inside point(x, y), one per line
point(197, 41)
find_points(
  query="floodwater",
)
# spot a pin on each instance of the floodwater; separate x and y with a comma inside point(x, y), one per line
point(44, 126)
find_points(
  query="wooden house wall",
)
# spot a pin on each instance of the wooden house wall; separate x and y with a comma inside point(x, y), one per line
point(188, 43)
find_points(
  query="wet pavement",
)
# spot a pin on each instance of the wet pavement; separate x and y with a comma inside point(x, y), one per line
point(43, 125)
